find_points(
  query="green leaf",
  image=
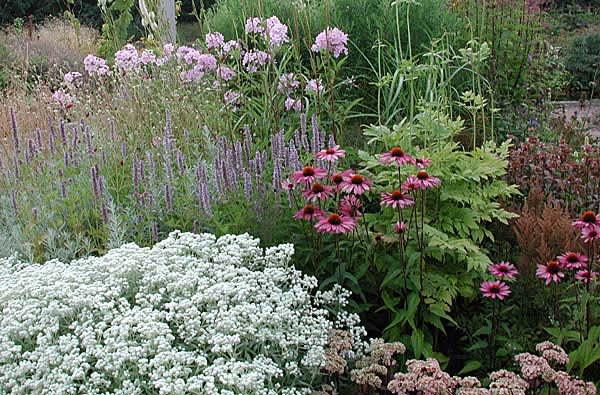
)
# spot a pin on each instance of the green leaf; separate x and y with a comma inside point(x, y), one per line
point(470, 366)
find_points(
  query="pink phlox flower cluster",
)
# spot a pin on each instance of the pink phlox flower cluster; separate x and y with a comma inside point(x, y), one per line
point(225, 73)
point(147, 57)
point(254, 25)
point(255, 59)
point(293, 104)
point(95, 66)
point(333, 40)
point(271, 29)
point(127, 59)
point(287, 83)
point(232, 99)
point(314, 86)
point(214, 40)
point(277, 32)
point(72, 78)
point(63, 98)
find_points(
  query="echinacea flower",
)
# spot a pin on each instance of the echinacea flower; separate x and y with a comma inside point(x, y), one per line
point(494, 289)
point(308, 174)
point(504, 270)
point(590, 233)
point(350, 206)
point(308, 213)
point(318, 191)
point(287, 185)
point(356, 184)
point(421, 181)
point(586, 220)
point(335, 223)
point(422, 163)
point(396, 155)
point(400, 227)
point(331, 154)
point(584, 276)
point(396, 199)
point(338, 179)
point(573, 260)
point(553, 271)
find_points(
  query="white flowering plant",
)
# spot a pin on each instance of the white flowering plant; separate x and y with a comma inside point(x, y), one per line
point(194, 314)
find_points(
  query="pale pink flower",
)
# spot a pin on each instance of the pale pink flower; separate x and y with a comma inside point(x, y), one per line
point(309, 213)
point(308, 175)
point(494, 289)
point(587, 219)
point(356, 184)
point(422, 181)
point(331, 154)
point(504, 270)
point(396, 199)
point(333, 40)
point(335, 223)
point(553, 271)
point(214, 40)
point(397, 156)
point(585, 276)
point(293, 104)
point(573, 260)
point(422, 163)
point(350, 206)
point(255, 25)
point(276, 32)
point(590, 233)
point(318, 191)
point(400, 227)
point(314, 86)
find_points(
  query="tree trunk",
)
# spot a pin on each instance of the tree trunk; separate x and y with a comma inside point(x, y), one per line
point(169, 34)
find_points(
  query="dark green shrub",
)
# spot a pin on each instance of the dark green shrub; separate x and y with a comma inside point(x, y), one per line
point(582, 59)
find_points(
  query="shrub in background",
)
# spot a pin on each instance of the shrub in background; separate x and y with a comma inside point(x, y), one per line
point(582, 60)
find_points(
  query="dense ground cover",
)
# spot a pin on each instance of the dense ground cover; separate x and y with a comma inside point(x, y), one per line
point(405, 150)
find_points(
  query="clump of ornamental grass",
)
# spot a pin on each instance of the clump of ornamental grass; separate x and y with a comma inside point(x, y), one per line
point(193, 314)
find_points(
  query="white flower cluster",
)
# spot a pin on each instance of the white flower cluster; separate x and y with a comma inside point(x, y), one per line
point(192, 315)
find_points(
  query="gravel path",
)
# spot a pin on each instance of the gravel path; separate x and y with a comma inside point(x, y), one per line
point(588, 112)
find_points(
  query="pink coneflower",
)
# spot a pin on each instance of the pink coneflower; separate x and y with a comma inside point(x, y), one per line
point(356, 184)
point(350, 206)
point(318, 191)
point(494, 289)
point(309, 213)
point(573, 260)
point(396, 199)
point(553, 271)
point(504, 270)
point(338, 179)
point(421, 181)
point(586, 220)
point(422, 163)
point(287, 185)
point(331, 154)
point(335, 223)
point(400, 227)
point(396, 155)
point(590, 233)
point(308, 174)
point(585, 275)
